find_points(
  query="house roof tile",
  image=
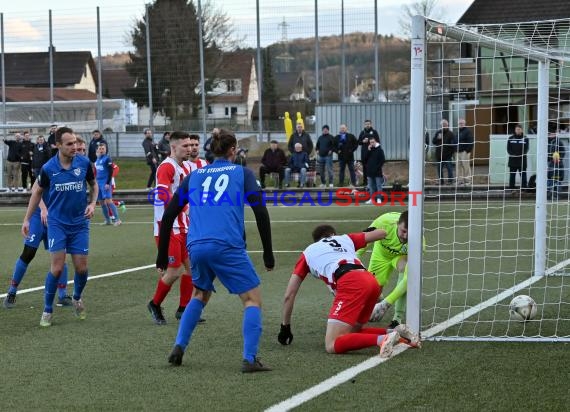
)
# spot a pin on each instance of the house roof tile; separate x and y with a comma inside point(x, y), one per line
point(512, 11)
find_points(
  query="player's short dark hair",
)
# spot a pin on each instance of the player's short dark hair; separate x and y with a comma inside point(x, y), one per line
point(367, 121)
point(404, 218)
point(179, 135)
point(60, 132)
point(194, 137)
point(323, 231)
point(222, 142)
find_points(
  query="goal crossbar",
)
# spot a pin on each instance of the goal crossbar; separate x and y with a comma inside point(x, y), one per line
point(513, 46)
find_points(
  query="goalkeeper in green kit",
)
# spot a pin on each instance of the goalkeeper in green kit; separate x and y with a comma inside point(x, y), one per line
point(389, 254)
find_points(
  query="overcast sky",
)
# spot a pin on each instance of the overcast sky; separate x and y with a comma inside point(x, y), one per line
point(26, 23)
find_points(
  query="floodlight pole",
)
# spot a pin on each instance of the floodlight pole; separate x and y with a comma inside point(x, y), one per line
point(202, 75)
point(149, 70)
point(416, 172)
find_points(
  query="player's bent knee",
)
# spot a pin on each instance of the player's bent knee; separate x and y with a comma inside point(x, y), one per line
point(28, 254)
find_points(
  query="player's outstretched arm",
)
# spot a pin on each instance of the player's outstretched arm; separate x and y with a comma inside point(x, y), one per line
point(285, 336)
point(374, 235)
point(255, 200)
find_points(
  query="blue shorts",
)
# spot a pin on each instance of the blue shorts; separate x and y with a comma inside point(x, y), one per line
point(73, 239)
point(38, 232)
point(232, 266)
point(104, 194)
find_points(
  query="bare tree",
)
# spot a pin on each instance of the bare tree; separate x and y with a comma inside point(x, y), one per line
point(427, 8)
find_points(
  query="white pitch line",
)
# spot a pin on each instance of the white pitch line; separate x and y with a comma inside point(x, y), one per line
point(333, 382)
point(104, 275)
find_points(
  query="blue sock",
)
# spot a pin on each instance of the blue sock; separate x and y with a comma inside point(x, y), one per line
point(79, 282)
point(105, 210)
point(62, 283)
point(19, 271)
point(189, 320)
point(114, 211)
point(251, 332)
point(49, 292)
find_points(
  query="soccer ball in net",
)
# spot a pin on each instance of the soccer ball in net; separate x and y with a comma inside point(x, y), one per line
point(522, 308)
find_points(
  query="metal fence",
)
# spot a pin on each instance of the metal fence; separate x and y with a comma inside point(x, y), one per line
point(304, 54)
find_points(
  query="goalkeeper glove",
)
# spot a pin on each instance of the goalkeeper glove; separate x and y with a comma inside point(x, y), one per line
point(285, 336)
point(379, 311)
point(369, 229)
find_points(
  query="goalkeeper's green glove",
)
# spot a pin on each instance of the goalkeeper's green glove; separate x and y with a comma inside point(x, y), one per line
point(285, 336)
point(379, 311)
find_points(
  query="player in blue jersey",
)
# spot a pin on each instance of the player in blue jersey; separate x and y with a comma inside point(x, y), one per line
point(104, 167)
point(38, 233)
point(217, 230)
point(65, 177)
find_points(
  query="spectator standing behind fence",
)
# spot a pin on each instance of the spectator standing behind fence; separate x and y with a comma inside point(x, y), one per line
point(464, 148)
point(26, 153)
point(300, 136)
point(42, 153)
point(345, 144)
point(96, 140)
point(151, 156)
point(517, 148)
point(51, 139)
point(325, 149)
point(208, 154)
point(374, 159)
point(366, 134)
point(298, 163)
point(13, 161)
point(555, 173)
point(163, 147)
point(445, 146)
point(273, 161)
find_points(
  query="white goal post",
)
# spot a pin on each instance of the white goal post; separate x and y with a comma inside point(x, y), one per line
point(488, 237)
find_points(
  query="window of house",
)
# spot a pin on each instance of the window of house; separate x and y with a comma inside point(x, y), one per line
point(209, 109)
point(234, 111)
point(231, 85)
point(227, 111)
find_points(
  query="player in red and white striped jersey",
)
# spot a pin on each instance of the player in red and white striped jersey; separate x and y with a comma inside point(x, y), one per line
point(169, 175)
point(332, 258)
point(194, 162)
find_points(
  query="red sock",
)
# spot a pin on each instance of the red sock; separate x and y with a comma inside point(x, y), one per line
point(162, 290)
point(354, 341)
point(186, 288)
point(374, 331)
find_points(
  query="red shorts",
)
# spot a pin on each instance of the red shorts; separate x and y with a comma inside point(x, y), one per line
point(356, 294)
point(177, 252)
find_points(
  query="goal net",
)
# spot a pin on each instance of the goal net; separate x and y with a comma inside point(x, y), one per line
point(495, 213)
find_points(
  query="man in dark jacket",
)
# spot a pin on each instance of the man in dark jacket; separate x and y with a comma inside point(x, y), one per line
point(51, 139)
point(298, 163)
point(26, 153)
point(517, 148)
point(164, 147)
point(345, 144)
point(42, 153)
point(273, 161)
point(445, 146)
point(300, 136)
point(555, 173)
point(13, 161)
point(151, 156)
point(325, 148)
point(374, 161)
point(96, 140)
point(363, 140)
point(464, 149)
